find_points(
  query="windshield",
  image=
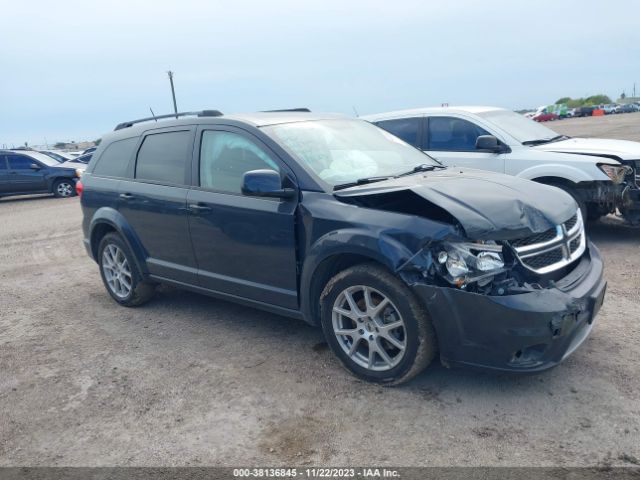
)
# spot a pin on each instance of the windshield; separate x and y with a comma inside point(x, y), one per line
point(42, 158)
point(518, 126)
point(343, 150)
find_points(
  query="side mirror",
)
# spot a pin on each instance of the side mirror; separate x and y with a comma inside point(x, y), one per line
point(488, 143)
point(35, 166)
point(265, 183)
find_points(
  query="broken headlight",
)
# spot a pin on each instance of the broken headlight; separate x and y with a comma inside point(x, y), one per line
point(614, 172)
point(462, 263)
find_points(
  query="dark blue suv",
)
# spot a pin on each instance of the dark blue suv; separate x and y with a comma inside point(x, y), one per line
point(335, 221)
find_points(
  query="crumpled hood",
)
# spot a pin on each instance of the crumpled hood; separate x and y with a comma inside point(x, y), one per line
point(624, 149)
point(487, 205)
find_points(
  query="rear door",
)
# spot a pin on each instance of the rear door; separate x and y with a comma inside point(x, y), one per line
point(245, 246)
point(24, 178)
point(452, 140)
point(154, 202)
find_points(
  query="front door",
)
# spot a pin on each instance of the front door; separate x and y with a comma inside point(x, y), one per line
point(154, 203)
point(244, 246)
point(452, 140)
point(23, 176)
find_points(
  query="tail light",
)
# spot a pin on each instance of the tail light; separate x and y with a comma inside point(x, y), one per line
point(79, 188)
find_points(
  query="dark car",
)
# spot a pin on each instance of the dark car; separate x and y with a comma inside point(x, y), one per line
point(335, 221)
point(583, 111)
point(24, 172)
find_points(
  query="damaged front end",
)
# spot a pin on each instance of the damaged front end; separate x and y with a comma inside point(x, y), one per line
point(515, 285)
point(514, 305)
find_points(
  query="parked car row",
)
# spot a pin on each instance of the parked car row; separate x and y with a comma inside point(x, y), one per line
point(555, 112)
point(396, 256)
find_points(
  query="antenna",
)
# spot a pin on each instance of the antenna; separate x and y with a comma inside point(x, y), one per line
point(355, 111)
point(173, 92)
point(153, 114)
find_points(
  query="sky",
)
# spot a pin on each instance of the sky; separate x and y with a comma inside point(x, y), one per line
point(71, 70)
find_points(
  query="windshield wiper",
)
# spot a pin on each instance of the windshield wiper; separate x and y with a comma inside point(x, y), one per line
point(542, 141)
point(420, 168)
point(361, 181)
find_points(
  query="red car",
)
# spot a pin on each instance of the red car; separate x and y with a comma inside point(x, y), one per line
point(544, 117)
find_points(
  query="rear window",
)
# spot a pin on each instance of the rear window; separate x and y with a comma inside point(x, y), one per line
point(163, 156)
point(115, 159)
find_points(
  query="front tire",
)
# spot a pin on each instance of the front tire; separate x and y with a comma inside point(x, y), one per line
point(64, 188)
point(120, 274)
point(376, 326)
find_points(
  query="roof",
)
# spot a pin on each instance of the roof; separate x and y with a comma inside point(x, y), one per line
point(257, 119)
point(429, 110)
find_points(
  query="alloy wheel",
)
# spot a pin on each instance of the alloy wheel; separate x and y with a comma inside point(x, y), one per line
point(117, 271)
point(64, 189)
point(369, 328)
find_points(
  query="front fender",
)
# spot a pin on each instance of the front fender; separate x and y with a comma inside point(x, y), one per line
point(568, 172)
point(110, 216)
point(377, 246)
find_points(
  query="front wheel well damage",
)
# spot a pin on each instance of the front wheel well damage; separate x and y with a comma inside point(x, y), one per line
point(325, 271)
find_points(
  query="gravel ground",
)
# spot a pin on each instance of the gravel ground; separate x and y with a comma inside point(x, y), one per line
point(189, 380)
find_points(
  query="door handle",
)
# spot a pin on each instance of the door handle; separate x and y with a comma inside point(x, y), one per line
point(199, 208)
point(126, 196)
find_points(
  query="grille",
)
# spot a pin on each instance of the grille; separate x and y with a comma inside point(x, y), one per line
point(544, 259)
point(533, 239)
point(569, 224)
point(575, 244)
point(552, 249)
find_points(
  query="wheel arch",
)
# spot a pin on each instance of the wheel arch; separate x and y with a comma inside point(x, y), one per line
point(564, 172)
point(551, 180)
point(337, 251)
point(107, 220)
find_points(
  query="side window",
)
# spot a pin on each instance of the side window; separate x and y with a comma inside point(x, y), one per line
point(404, 128)
point(453, 134)
point(114, 159)
point(163, 156)
point(226, 156)
point(20, 162)
point(3, 163)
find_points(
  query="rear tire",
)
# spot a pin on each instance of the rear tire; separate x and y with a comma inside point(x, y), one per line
point(376, 326)
point(120, 274)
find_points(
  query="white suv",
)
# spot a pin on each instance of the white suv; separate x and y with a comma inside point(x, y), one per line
point(602, 175)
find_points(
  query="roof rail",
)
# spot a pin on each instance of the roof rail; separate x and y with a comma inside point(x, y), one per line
point(203, 113)
point(301, 109)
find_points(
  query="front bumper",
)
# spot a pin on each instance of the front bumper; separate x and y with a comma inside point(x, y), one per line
point(528, 332)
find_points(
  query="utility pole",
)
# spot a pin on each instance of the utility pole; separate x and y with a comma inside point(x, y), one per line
point(173, 93)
